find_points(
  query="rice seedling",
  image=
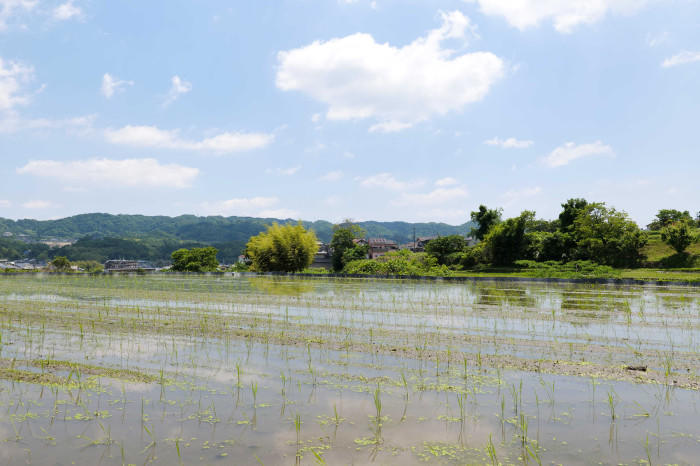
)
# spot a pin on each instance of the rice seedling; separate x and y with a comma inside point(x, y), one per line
point(611, 405)
point(491, 451)
point(162, 350)
point(377, 404)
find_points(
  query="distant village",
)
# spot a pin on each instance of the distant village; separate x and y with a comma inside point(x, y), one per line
point(376, 247)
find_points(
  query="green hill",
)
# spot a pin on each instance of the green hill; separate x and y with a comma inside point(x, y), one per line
point(105, 236)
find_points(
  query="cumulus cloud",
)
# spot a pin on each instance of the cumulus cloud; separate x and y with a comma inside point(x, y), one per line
point(438, 196)
point(681, 58)
point(258, 206)
point(151, 136)
point(332, 176)
point(13, 77)
point(13, 123)
point(447, 181)
point(178, 87)
point(9, 8)
point(66, 11)
point(510, 143)
point(567, 153)
point(387, 181)
point(358, 78)
point(128, 172)
point(111, 85)
point(565, 15)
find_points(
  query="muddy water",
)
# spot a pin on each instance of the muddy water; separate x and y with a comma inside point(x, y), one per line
point(214, 395)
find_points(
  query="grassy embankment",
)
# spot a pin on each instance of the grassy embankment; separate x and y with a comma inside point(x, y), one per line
point(662, 264)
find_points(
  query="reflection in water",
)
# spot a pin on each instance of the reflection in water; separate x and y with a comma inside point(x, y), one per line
point(275, 369)
point(280, 286)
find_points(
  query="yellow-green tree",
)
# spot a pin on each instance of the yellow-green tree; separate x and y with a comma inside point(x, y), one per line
point(282, 248)
point(679, 235)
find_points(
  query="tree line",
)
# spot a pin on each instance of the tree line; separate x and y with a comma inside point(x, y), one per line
point(584, 231)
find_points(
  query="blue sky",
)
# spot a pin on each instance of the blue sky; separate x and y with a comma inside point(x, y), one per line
point(327, 109)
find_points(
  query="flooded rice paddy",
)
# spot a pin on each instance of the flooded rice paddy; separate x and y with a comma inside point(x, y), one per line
point(264, 370)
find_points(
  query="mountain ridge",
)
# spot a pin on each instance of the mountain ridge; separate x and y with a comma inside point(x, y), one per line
point(101, 236)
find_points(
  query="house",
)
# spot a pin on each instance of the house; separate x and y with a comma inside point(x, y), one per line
point(322, 259)
point(380, 246)
point(5, 265)
point(30, 264)
point(16, 265)
point(128, 266)
point(421, 241)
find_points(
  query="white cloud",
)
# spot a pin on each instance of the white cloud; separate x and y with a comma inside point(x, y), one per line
point(398, 87)
point(284, 171)
point(389, 127)
point(5, 203)
point(681, 58)
point(9, 7)
point(127, 172)
point(332, 176)
point(67, 11)
point(387, 181)
point(37, 204)
point(316, 117)
point(13, 123)
point(151, 136)
point(13, 76)
point(566, 15)
point(447, 181)
point(570, 151)
point(249, 206)
point(510, 143)
point(438, 196)
point(657, 39)
point(178, 87)
point(111, 85)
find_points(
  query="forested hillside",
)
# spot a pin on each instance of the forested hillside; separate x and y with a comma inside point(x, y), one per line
point(105, 236)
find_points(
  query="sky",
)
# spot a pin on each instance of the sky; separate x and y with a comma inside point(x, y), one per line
point(413, 110)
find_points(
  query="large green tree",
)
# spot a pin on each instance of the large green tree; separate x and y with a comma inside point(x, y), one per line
point(343, 247)
point(506, 242)
point(61, 264)
point(666, 217)
point(195, 260)
point(445, 248)
point(485, 218)
point(679, 235)
point(571, 210)
point(608, 236)
point(282, 248)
